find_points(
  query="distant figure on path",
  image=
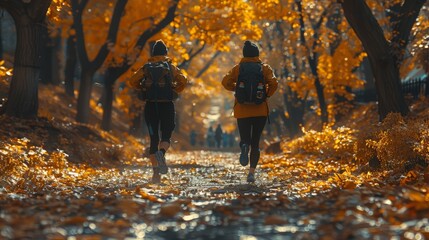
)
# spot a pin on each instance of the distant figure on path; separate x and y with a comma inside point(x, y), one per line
point(210, 137)
point(193, 137)
point(231, 139)
point(218, 135)
point(160, 82)
point(225, 138)
point(253, 82)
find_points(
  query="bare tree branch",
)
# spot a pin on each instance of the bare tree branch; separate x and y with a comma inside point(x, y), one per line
point(77, 9)
point(192, 55)
point(37, 7)
point(208, 64)
point(112, 34)
point(169, 17)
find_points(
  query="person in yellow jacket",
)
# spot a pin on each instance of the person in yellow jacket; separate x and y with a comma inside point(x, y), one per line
point(251, 117)
point(159, 113)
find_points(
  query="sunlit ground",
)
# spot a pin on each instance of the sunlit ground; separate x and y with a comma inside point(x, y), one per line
point(62, 180)
point(205, 195)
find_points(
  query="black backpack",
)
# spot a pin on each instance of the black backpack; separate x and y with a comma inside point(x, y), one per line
point(250, 87)
point(157, 83)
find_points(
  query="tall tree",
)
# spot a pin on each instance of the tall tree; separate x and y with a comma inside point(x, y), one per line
point(186, 33)
point(29, 18)
point(1, 37)
point(89, 67)
point(278, 41)
point(70, 67)
point(313, 58)
point(50, 58)
point(384, 55)
point(60, 28)
point(113, 72)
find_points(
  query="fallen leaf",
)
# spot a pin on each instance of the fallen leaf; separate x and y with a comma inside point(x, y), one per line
point(274, 220)
point(74, 221)
point(170, 209)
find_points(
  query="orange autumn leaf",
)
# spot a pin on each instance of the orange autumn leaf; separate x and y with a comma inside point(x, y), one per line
point(78, 220)
point(274, 220)
point(147, 196)
point(170, 209)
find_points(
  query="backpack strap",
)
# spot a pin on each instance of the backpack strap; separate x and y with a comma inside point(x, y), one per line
point(170, 72)
point(170, 68)
point(262, 72)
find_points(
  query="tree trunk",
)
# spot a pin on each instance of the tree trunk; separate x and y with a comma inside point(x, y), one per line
point(106, 123)
point(380, 54)
point(296, 109)
point(56, 61)
point(46, 66)
point(369, 86)
point(89, 67)
point(49, 72)
point(388, 85)
point(319, 89)
point(23, 93)
point(178, 122)
point(114, 72)
point(85, 89)
point(71, 62)
point(109, 82)
point(1, 39)
point(312, 61)
point(334, 20)
point(137, 127)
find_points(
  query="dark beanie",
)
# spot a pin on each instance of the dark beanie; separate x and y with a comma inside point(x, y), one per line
point(159, 48)
point(250, 49)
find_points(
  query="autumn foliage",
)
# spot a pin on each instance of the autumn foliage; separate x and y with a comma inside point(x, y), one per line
point(350, 176)
point(398, 146)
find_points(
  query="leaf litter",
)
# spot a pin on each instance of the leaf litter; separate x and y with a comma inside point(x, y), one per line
point(69, 191)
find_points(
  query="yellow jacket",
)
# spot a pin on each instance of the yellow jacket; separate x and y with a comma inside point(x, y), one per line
point(179, 80)
point(251, 110)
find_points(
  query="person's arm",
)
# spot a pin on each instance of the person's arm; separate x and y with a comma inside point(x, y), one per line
point(270, 80)
point(180, 80)
point(230, 79)
point(136, 78)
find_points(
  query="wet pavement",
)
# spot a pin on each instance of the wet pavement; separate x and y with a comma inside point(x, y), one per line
point(205, 196)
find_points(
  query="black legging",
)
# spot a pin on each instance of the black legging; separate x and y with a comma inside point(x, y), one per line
point(159, 116)
point(250, 133)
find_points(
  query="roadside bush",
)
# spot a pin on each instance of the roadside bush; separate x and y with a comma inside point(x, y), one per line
point(331, 142)
point(396, 143)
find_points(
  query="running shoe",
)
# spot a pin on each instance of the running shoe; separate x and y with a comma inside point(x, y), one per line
point(251, 178)
point(244, 155)
point(156, 178)
point(160, 158)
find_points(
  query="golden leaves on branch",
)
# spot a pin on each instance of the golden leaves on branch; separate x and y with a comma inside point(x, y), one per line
point(4, 71)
